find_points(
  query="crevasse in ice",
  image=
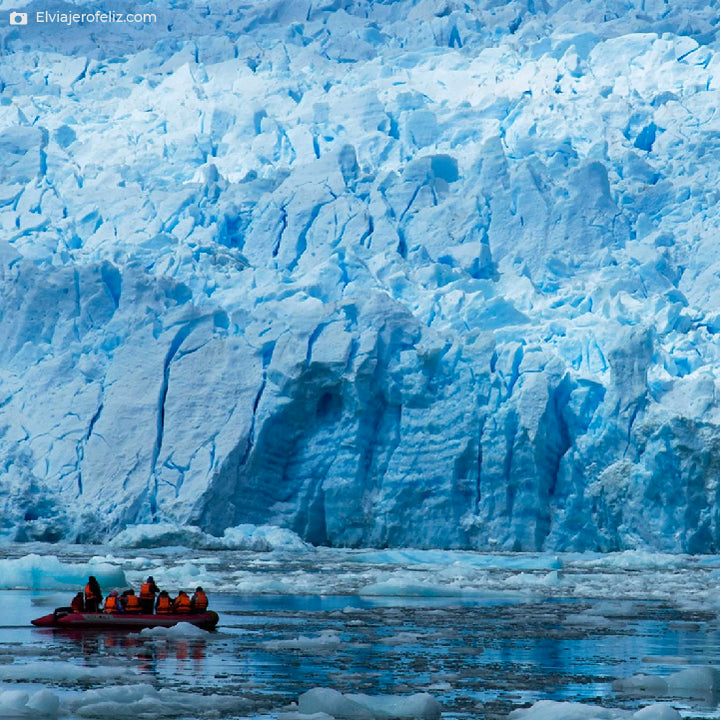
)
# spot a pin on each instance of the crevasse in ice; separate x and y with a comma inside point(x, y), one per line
point(421, 273)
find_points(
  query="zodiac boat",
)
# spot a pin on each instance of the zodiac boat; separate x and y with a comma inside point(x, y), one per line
point(66, 618)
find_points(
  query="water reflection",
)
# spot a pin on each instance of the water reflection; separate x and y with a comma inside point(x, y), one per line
point(498, 655)
point(146, 653)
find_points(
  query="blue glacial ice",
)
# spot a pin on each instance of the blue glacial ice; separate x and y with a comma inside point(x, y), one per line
point(420, 273)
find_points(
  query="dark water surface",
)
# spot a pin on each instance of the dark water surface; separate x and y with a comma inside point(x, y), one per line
point(479, 658)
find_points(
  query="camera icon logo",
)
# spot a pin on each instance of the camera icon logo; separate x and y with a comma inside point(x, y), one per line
point(18, 18)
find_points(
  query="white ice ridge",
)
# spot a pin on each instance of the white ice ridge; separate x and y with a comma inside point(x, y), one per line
point(419, 273)
point(243, 537)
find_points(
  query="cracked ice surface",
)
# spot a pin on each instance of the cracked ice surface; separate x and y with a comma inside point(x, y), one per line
point(418, 273)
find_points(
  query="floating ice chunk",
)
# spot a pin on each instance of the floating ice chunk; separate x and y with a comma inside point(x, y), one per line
point(658, 711)
point(552, 710)
point(20, 704)
point(181, 630)
point(419, 705)
point(641, 684)
point(587, 619)
point(49, 573)
point(142, 700)
point(44, 702)
point(327, 641)
point(60, 672)
point(693, 682)
point(332, 702)
point(367, 707)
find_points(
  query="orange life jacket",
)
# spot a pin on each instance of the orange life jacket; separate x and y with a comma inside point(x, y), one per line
point(200, 601)
point(145, 592)
point(163, 604)
point(111, 604)
point(132, 604)
point(89, 594)
point(77, 605)
point(182, 604)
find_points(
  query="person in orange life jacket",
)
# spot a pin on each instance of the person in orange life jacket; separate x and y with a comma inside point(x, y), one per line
point(112, 603)
point(77, 603)
point(132, 604)
point(181, 604)
point(93, 595)
point(147, 595)
point(199, 601)
point(164, 604)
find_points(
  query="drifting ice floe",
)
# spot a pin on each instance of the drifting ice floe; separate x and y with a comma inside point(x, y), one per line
point(551, 710)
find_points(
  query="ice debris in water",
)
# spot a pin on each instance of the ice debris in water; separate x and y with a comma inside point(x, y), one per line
point(553, 710)
point(366, 707)
point(703, 682)
point(62, 672)
point(131, 701)
point(326, 641)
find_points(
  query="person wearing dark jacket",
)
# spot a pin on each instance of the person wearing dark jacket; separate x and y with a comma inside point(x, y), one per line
point(199, 601)
point(93, 595)
point(77, 603)
point(132, 602)
point(147, 595)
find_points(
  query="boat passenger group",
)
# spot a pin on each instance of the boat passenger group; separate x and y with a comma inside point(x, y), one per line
point(151, 599)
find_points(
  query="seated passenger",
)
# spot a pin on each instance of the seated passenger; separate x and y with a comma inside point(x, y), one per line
point(199, 601)
point(182, 604)
point(77, 603)
point(132, 603)
point(164, 604)
point(112, 603)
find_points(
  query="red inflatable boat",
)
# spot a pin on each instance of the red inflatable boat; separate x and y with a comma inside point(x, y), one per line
point(66, 618)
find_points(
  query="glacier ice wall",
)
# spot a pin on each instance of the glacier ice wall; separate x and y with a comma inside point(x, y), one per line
point(427, 272)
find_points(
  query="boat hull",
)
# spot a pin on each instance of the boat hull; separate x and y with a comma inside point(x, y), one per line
point(120, 621)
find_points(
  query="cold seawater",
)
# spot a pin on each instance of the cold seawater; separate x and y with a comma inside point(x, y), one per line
point(479, 651)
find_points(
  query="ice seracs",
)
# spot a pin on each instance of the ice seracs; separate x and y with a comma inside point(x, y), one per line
point(400, 274)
